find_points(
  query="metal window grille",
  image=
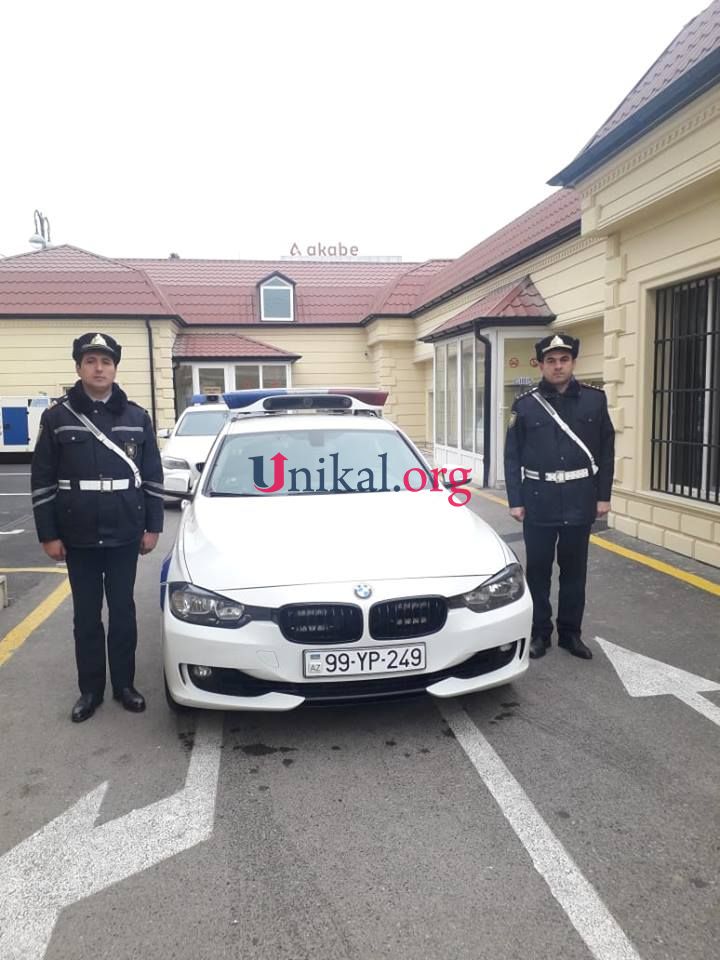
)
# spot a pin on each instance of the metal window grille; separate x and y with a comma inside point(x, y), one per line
point(685, 439)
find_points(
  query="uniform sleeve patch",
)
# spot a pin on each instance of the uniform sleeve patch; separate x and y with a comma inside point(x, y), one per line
point(513, 420)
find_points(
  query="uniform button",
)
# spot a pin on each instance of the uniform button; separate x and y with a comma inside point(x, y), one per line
point(562, 458)
point(100, 541)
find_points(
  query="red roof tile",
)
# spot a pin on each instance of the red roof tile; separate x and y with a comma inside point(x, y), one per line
point(226, 345)
point(517, 300)
point(225, 291)
point(695, 41)
point(401, 294)
point(67, 280)
point(514, 242)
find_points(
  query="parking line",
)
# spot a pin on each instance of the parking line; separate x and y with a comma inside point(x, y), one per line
point(601, 933)
point(691, 578)
point(62, 569)
point(19, 634)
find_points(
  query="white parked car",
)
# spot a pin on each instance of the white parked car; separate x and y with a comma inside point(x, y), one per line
point(305, 569)
point(189, 442)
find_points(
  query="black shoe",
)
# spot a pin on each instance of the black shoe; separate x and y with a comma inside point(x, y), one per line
point(538, 645)
point(574, 645)
point(85, 707)
point(130, 699)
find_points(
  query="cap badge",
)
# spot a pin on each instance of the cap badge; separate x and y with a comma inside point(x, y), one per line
point(99, 341)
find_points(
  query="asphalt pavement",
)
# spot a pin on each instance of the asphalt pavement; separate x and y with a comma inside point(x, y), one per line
point(558, 818)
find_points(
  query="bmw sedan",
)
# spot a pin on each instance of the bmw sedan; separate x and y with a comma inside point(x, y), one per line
point(322, 560)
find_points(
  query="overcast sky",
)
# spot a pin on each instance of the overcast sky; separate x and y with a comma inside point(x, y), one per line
point(228, 129)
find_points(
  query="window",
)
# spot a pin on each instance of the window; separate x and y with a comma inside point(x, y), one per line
point(685, 441)
point(467, 394)
point(250, 376)
point(211, 380)
point(452, 400)
point(479, 397)
point(440, 355)
point(247, 376)
point(276, 300)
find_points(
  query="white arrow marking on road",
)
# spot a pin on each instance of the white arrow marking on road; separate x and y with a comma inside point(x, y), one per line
point(593, 921)
point(644, 677)
point(70, 858)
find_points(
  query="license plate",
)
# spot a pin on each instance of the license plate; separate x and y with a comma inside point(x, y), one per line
point(369, 660)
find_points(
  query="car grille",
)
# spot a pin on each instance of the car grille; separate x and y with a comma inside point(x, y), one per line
point(412, 617)
point(320, 622)
point(235, 683)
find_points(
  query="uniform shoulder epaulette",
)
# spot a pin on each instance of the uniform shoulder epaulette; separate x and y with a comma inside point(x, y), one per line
point(526, 394)
point(591, 386)
point(56, 401)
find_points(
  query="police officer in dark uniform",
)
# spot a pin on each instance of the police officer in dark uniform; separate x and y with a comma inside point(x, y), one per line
point(97, 487)
point(559, 461)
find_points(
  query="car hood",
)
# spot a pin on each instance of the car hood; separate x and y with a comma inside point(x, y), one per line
point(192, 449)
point(231, 544)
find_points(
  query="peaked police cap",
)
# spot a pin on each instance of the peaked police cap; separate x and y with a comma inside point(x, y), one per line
point(557, 341)
point(96, 343)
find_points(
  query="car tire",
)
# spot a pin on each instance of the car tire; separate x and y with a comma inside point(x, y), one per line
point(176, 707)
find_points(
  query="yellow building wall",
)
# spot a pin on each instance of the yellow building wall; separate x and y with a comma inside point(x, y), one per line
point(657, 208)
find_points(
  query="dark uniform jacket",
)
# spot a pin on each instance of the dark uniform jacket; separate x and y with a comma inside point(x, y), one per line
point(67, 450)
point(535, 442)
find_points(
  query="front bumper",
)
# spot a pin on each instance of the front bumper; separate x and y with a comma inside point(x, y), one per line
point(255, 668)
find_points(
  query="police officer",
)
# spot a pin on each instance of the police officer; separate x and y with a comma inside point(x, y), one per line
point(97, 499)
point(559, 460)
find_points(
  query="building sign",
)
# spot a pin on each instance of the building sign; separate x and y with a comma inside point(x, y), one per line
point(323, 250)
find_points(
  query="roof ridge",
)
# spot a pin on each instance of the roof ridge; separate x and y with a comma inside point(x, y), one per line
point(638, 83)
point(236, 260)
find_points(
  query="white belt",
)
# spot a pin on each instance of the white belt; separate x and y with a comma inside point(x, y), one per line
point(558, 476)
point(104, 486)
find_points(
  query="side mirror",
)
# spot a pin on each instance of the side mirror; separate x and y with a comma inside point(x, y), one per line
point(199, 466)
point(460, 475)
point(163, 434)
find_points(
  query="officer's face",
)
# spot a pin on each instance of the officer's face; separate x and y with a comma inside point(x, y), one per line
point(557, 367)
point(97, 372)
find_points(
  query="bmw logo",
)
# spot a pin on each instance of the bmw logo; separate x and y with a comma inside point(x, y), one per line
point(363, 591)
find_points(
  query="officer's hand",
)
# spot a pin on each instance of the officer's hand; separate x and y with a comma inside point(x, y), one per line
point(55, 549)
point(517, 513)
point(148, 542)
point(603, 508)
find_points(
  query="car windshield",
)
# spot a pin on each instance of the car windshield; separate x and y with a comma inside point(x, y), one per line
point(315, 462)
point(205, 424)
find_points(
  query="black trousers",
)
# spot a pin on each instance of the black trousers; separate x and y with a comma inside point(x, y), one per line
point(93, 570)
point(571, 544)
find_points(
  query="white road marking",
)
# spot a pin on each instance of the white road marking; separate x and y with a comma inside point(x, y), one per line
point(14, 474)
point(578, 898)
point(644, 677)
point(69, 858)
point(10, 533)
point(15, 494)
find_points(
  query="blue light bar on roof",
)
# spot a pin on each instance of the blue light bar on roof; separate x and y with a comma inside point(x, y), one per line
point(299, 397)
point(199, 398)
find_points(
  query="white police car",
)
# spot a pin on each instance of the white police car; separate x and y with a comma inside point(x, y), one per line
point(310, 566)
point(190, 440)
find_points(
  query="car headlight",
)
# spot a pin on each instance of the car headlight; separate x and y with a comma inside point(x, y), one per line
point(175, 463)
point(195, 605)
point(505, 587)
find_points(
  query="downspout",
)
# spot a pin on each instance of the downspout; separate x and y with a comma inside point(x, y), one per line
point(152, 373)
point(487, 397)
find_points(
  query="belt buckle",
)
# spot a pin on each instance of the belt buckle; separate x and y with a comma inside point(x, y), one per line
point(106, 484)
point(559, 476)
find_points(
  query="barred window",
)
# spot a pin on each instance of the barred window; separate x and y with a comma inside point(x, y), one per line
point(686, 391)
